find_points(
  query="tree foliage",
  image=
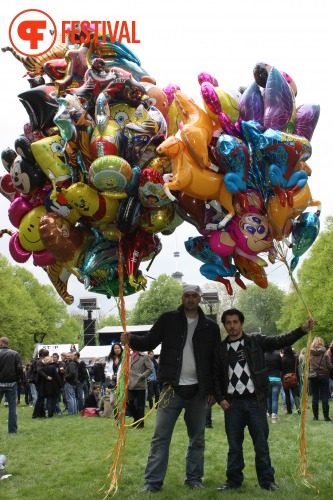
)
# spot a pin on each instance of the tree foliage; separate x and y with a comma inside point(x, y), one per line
point(261, 308)
point(315, 282)
point(163, 295)
point(27, 308)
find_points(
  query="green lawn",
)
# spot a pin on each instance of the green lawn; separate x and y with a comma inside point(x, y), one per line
point(65, 458)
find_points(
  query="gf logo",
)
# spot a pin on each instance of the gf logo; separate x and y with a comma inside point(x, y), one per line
point(30, 32)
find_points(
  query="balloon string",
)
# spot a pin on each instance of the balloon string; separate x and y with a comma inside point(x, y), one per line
point(302, 472)
point(118, 451)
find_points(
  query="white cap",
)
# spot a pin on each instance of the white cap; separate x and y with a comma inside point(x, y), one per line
point(192, 288)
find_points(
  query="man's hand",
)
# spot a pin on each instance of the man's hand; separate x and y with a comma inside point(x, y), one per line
point(308, 325)
point(125, 338)
point(211, 401)
point(224, 405)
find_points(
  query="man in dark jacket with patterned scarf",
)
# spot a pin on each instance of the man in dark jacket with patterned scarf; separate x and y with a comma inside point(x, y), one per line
point(188, 341)
point(241, 386)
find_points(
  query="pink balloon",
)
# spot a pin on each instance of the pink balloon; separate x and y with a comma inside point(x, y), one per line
point(18, 208)
point(17, 251)
point(43, 258)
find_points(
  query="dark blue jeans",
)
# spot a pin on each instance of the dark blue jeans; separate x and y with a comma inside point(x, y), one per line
point(10, 393)
point(251, 413)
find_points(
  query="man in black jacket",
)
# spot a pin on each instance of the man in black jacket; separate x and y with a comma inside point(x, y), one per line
point(188, 341)
point(241, 386)
point(11, 372)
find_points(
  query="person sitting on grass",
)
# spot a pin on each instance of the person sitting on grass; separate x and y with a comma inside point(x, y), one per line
point(92, 400)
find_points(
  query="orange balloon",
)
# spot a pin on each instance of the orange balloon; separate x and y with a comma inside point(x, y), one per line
point(280, 217)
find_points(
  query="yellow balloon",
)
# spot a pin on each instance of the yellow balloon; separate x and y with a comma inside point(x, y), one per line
point(29, 236)
point(154, 220)
point(48, 153)
point(228, 103)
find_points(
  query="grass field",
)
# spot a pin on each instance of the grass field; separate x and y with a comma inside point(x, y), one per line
point(65, 458)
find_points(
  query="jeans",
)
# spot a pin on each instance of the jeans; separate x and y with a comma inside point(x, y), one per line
point(79, 395)
point(70, 398)
point(168, 412)
point(273, 398)
point(292, 394)
point(33, 393)
point(248, 412)
point(10, 393)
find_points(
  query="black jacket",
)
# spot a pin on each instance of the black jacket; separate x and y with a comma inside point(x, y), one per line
point(170, 330)
point(254, 346)
point(273, 362)
point(10, 365)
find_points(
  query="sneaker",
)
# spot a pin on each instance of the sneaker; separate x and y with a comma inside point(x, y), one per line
point(275, 418)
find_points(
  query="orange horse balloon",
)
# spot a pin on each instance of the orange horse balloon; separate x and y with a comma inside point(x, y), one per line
point(190, 178)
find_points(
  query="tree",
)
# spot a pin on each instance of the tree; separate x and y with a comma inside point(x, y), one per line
point(315, 282)
point(27, 308)
point(163, 295)
point(261, 308)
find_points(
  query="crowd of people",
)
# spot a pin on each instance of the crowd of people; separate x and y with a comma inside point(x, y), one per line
point(244, 374)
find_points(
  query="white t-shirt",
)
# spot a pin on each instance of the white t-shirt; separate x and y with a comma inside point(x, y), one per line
point(188, 374)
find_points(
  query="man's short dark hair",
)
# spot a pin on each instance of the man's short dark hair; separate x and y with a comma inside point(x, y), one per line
point(233, 312)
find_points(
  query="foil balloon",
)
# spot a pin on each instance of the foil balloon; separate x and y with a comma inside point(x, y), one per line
point(122, 113)
point(107, 142)
point(191, 209)
point(25, 176)
point(29, 235)
point(232, 156)
point(251, 105)
point(96, 208)
point(304, 232)
point(197, 130)
point(278, 101)
point(110, 173)
point(155, 220)
point(156, 97)
point(252, 271)
point(60, 237)
point(49, 154)
point(248, 234)
point(281, 217)
point(284, 151)
point(307, 116)
point(189, 177)
point(150, 189)
point(41, 106)
point(136, 246)
point(261, 72)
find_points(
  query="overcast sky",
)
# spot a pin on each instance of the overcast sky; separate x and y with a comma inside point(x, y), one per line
point(178, 41)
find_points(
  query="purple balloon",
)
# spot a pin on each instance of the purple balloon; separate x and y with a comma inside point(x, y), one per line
point(307, 116)
point(251, 105)
point(18, 208)
point(278, 101)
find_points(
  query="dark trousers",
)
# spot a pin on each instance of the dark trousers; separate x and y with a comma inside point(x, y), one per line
point(51, 402)
point(39, 408)
point(251, 413)
point(153, 391)
point(320, 389)
point(136, 404)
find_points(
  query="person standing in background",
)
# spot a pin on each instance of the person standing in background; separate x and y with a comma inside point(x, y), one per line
point(11, 372)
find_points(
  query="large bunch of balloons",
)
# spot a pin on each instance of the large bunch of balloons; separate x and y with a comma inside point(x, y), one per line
point(108, 160)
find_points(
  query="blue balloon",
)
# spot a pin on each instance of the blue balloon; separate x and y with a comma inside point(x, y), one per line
point(305, 231)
